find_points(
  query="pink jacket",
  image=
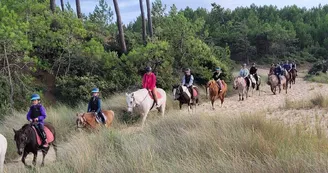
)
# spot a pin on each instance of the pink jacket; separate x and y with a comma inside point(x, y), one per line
point(149, 81)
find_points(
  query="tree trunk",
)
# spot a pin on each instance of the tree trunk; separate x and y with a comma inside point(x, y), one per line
point(62, 5)
point(53, 5)
point(10, 80)
point(143, 22)
point(78, 9)
point(150, 24)
point(120, 27)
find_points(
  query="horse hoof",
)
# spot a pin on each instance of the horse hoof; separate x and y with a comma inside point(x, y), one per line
point(42, 164)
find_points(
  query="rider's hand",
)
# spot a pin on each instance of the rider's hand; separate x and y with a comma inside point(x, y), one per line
point(30, 120)
point(36, 119)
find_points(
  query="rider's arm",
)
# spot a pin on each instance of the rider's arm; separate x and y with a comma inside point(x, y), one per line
point(144, 81)
point(28, 116)
point(89, 107)
point(99, 105)
point(183, 80)
point(241, 73)
point(43, 114)
point(191, 81)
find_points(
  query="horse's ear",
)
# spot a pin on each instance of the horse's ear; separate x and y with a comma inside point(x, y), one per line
point(15, 131)
point(132, 94)
point(77, 114)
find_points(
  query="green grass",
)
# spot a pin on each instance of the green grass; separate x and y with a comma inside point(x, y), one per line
point(177, 143)
point(321, 78)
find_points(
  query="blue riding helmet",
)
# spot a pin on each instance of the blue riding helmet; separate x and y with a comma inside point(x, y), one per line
point(217, 68)
point(95, 90)
point(148, 69)
point(35, 97)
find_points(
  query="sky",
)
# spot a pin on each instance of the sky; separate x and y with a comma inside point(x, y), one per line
point(130, 9)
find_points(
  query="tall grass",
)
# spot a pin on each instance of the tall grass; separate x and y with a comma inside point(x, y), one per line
point(194, 144)
point(320, 78)
point(318, 100)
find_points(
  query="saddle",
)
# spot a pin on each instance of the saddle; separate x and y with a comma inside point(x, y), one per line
point(159, 95)
point(50, 136)
point(98, 119)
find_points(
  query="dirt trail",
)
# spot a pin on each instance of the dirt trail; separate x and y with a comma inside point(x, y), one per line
point(266, 102)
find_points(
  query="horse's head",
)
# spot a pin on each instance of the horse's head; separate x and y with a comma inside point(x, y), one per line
point(130, 100)
point(176, 91)
point(21, 139)
point(80, 121)
point(235, 83)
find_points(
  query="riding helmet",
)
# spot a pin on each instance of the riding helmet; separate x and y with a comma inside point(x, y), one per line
point(95, 90)
point(148, 69)
point(35, 97)
point(217, 68)
point(187, 70)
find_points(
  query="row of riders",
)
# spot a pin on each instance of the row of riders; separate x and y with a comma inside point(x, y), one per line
point(37, 112)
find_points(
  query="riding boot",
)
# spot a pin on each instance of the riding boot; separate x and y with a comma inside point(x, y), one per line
point(43, 135)
point(102, 117)
point(220, 86)
point(191, 93)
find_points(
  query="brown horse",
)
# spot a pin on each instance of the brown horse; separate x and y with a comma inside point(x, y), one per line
point(89, 119)
point(274, 83)
point(293, 76)
point(213, 87)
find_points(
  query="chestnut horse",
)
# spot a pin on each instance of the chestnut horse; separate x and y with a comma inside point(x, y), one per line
point(89, 119)
point(213, 88)
point(293, 76)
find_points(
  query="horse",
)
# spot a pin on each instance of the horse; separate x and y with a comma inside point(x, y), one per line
point(3, 150)
point(273, 82)
point(28, 141)
point(84, 120)
point(143, 100)
point(182, 94)
point(255, 84)
point(293, 76)
point(288, 77)
point(213, 88)
point(240, 84)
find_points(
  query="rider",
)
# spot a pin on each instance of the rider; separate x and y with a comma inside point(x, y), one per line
point(188, 81)
point(287, 66)
point(149, 83)
point(278, 72)
point(37, 114)
point(253, 71)
point(217, 77)
point(272, 69)
point(294, 66)
point(245, 73)
point(95, 105)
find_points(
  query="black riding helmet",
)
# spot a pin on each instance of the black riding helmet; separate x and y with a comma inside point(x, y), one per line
point(148, 69)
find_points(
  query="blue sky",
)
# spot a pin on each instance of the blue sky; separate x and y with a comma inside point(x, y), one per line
point(130, 8)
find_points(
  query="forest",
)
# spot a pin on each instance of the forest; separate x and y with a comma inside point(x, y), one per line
point(62, 54)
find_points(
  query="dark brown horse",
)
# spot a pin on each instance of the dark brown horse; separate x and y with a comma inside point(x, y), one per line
point(26, 142)
point(89, 119)
point(213, 88)
point(293, 76)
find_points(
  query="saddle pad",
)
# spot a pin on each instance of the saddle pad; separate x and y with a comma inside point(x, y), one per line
point(159, 95)
point(195, 92)
point(221, 83)
point(50, 136)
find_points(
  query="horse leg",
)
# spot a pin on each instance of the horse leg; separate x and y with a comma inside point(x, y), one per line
point(55, 147)
point(239, 96)
point(24, 157)
point(144, 118)
point(212, 101)
point(35, 156)
point(44, 153)
point(162, 110)
point(180, 105)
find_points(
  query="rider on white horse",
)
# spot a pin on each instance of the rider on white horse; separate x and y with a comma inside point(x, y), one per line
point(253, 72)
point(149, 83)
point(188, 81)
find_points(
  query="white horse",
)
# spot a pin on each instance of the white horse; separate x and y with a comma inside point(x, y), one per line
point(240, 84)
point(3, 150)
point(142, 101)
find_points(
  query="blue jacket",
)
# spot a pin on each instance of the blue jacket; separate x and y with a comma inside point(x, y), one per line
point(37, 111)
point(94, 105)
point(244, 72)
point(278, 71)
point(287, 67)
